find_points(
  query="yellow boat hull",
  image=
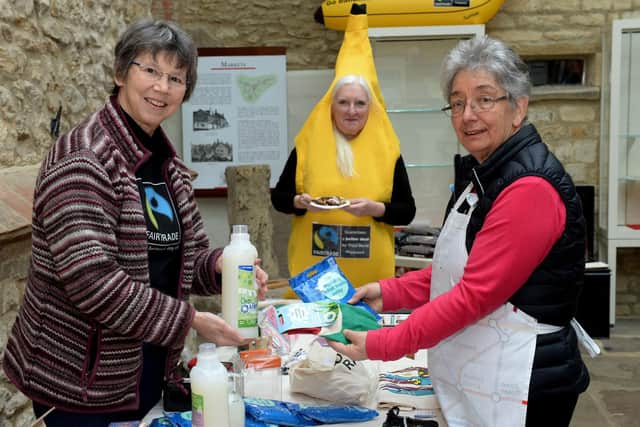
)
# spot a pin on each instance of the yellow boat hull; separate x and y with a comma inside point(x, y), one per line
point(410, 13)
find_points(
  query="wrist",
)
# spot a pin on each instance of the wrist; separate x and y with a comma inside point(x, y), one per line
point(197, 321)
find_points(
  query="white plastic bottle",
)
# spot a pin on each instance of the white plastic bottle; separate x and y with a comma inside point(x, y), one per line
point(236, 402)
point(239, 294)
point(209, 390)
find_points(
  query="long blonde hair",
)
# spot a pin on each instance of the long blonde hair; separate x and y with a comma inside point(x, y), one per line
point(344, 154)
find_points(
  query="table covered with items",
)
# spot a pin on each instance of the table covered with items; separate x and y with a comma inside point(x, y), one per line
point(381, 393)
point(290, 376)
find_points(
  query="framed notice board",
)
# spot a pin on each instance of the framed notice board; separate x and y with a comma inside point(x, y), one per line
point(237, 114)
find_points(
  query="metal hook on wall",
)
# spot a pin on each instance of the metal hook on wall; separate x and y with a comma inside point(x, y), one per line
point(54, 126)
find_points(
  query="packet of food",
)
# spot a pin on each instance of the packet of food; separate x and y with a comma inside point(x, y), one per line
point(306, 315)
point(325, 281)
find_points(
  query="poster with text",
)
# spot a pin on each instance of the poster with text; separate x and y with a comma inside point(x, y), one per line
point(237, 114)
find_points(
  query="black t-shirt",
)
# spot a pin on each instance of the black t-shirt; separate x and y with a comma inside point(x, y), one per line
point(164, 237)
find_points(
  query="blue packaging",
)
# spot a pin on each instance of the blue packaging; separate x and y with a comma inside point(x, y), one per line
point(330, 413)
point(325, 281)
point(270, 411)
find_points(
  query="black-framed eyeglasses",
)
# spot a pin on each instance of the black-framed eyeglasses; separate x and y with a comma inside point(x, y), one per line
point(480, 103)
point(152, 73)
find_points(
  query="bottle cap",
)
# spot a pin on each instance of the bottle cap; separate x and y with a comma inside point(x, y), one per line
point(207, 347)
point(240, 229)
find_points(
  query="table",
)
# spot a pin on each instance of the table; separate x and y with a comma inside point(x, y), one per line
point(419, 359)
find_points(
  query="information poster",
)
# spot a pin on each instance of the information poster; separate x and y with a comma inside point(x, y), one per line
point(237, 114)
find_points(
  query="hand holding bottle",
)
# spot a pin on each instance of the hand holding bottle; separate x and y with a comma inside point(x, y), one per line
point(262, 277)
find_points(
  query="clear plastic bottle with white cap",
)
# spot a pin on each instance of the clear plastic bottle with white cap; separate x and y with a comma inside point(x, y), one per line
point(239, 293)
point(209, 390)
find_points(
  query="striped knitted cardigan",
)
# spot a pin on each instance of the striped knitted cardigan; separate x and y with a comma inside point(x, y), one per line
point(77, 341)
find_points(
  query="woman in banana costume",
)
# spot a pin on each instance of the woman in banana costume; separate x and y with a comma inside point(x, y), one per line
point(347, 148)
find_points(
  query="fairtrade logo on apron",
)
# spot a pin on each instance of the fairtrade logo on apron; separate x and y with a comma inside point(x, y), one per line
point(341, 241)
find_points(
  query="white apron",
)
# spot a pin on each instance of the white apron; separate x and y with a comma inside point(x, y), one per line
point(481, 374)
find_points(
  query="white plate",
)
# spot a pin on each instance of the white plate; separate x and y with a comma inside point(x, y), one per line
point(314, 204)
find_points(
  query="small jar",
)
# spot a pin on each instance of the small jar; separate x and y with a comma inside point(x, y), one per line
point(262, 376)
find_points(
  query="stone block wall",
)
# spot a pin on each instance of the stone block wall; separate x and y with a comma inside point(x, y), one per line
point(15, 408)
point(54, 54)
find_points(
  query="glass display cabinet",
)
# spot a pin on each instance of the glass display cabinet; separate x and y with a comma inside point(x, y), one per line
point(619, 199)
point(408, 62)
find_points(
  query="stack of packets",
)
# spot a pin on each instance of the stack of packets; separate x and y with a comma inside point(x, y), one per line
point(324, 318)
point(324, 290)
point(325, 281)
point(266, 412)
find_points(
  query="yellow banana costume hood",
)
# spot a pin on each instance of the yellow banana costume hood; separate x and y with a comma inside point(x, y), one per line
point(363, 247)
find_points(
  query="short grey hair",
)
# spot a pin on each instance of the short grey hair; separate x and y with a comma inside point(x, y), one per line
point(154, 37)
point(492, 56)
point(350, 79)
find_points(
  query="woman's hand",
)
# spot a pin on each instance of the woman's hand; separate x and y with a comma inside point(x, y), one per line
point(262, 277)
point(369, 293)
point(261, 280)
point(303, 201)
point(357, 350)
point(214, 329)
point(365, 207)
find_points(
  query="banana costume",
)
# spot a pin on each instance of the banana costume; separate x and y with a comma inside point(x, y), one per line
point(363, 247)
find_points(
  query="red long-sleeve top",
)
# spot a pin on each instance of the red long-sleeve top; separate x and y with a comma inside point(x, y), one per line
point(525, 221)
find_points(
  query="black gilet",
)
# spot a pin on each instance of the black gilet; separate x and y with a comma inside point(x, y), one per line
point(551, 293)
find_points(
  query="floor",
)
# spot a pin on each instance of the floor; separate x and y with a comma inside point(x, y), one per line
point(613, 397)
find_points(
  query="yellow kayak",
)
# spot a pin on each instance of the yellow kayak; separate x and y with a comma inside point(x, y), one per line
point(408, 13)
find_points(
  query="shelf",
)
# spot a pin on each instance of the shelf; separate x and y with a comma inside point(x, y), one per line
point(412, 262)
point(408, 62)
point(416, 110)
point(429, 165)
point(619, 151)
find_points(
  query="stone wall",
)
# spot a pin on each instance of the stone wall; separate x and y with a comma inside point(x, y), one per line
point(54, 54)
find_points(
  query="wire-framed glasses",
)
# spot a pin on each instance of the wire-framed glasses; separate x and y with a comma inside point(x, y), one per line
point(152, 73)
point(480, 103)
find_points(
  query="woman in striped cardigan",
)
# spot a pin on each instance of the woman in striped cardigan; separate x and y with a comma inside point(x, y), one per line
point(118, 246)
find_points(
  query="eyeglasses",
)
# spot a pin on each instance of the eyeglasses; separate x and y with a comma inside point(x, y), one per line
point(480, 103)
point(154, 74)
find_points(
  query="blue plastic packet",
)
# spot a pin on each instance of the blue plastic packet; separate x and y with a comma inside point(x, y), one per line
point(172, 419)
point(270, 411)
point(333, 414)
point(250, 422)
point(325, 281)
